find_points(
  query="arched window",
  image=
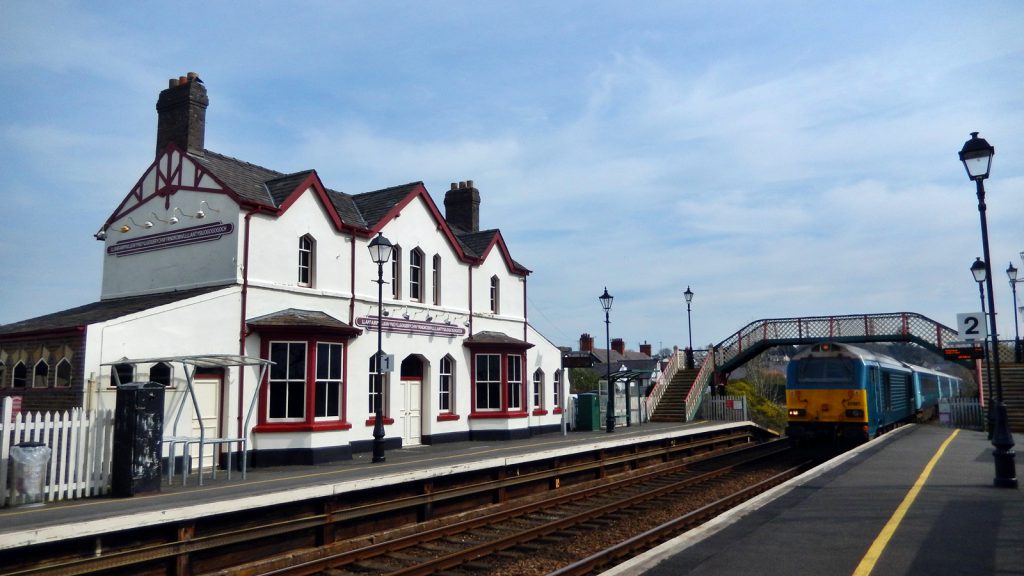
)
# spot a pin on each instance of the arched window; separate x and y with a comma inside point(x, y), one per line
point(378, 386)
point(396, 272)
point(558, 388)
point(538, 389)
point(62, 378)
point(495, 294)
point(416, 275)
point(437, 279)
point(446, 386)
point(160, 373)
point(41, 374)
point(19, 375)
point(307, 257)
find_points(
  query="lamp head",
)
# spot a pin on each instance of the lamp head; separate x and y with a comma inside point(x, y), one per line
point(977, 157)
point(606, 300)
point(380, 249)
point(688, 295)
point(979, 270)
point(1011, 271)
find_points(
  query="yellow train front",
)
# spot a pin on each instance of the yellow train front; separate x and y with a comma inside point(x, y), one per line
point(842, 393)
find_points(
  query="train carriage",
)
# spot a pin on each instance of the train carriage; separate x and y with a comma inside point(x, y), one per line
point(846, 393)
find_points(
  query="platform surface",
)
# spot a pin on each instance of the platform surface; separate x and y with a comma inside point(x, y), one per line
point(824, 522)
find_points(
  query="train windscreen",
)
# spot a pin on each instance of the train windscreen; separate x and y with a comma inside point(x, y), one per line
point(824, 373)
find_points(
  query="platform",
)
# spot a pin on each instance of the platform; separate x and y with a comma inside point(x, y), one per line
point(825, 521)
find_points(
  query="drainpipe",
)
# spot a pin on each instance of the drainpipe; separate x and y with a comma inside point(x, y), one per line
point(242, 329)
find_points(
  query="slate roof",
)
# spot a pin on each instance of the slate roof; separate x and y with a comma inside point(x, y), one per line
point(101, 311)
point(296, 318)
point(375, 205)
point(247, 180)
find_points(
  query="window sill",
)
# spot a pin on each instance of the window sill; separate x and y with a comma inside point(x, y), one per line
point(557, 411)
point(496, 415)
point(373, 421)
point(301, 426)
point(447, 417)
point(540, 412)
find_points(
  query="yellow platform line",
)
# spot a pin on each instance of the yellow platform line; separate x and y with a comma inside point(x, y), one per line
point(867, 563)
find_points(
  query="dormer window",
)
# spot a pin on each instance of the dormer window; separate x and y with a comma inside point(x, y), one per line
point(307, 253)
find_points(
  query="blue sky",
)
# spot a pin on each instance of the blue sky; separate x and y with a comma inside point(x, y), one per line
point(781, 158)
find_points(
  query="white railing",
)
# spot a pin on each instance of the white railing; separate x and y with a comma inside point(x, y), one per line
point(961, 413)
point(674, 363)
point(724, 408)
point(80, 445)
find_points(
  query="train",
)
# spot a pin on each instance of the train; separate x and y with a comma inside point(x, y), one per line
point(847, 394)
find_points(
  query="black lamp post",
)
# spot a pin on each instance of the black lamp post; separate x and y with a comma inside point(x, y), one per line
point(1011, 272)
point(380, 251)
point(979, 270)
point(976, 156)
point(689, 330)
point(606, 303)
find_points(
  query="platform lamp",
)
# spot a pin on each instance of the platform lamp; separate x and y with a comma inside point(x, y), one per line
point(606, 303)
point(976, 156)
point(979, 271)
point(380, 252)
point(689, 328)
point(1011, 272)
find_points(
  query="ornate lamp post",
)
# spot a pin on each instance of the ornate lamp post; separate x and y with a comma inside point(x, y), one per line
point(976, 156)
point(380, 252)
point(979, 270)
point(606, 303)
point(689, 330)
point(1011, 272)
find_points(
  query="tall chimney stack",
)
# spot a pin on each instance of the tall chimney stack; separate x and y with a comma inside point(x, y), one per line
point(462, 206)
point(619, 345)
point(645, 348)
point(586, 343)
point(181, 114)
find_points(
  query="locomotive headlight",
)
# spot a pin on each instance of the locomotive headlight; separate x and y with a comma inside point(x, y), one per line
point(854, 413)
point(797, 412)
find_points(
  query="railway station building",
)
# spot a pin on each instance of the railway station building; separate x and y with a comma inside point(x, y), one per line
point(207, 254)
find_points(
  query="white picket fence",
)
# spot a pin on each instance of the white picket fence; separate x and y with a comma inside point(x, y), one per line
point(80, 443)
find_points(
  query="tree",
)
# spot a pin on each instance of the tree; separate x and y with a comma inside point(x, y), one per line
point(582, 380)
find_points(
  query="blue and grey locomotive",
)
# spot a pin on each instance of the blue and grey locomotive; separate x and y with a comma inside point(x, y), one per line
point(846, 393)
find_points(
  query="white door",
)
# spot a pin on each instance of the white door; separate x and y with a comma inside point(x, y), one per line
point(411, 412)
point(207, 395)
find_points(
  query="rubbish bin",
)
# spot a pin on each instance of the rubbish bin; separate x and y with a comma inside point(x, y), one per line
point(28, 473)
point(588, 412)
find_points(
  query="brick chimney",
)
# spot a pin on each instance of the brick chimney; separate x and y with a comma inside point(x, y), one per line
point(181, 114)
point(586, 343)
point(645, 348)
point(462, 206)
point(619, 345)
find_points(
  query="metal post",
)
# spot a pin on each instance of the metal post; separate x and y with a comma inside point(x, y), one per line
point(990, 415)
point(609, 421)
point(689, 329)
point(378, 418)
point(1016, 325)
point(1002, 439)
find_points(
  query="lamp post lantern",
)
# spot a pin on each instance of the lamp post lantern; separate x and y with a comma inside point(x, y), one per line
point(689, 328)
point(976, 156)
point(606, 303)
point(1011, 272)
point(380, 252)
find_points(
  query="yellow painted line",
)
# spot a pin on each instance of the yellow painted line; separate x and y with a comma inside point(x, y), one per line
point(867, 563)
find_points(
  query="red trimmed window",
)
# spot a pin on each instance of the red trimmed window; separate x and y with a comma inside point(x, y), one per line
point(416, 275)
point(446, 388)
point(305, 385)
point(538, 389)
point(558, 390)
point(498, 383)
point(307, 253)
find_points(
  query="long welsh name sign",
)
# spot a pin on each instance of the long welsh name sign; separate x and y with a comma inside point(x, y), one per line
point(181, 237)
point(402, 326)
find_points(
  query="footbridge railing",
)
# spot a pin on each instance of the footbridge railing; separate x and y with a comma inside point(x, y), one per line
point(760, 335)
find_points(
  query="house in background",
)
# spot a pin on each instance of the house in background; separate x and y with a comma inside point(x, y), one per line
point(208, 254)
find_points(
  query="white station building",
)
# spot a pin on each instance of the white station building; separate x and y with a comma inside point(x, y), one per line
point(210, 255)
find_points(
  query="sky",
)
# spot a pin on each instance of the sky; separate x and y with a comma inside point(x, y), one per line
point(782, 159)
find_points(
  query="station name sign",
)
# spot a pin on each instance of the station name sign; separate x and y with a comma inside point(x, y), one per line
point(181, 237)
point(402, 326)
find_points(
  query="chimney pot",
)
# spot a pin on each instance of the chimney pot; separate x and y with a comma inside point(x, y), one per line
point(455, 186)
point(469, 183)
point(181, 115)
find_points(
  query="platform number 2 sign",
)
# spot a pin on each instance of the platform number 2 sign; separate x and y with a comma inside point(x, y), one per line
point(971, 326)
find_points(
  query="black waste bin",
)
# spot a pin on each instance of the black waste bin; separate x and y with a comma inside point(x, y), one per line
point(138, 434)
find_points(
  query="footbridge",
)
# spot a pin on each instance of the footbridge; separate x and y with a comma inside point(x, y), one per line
point(760, 335)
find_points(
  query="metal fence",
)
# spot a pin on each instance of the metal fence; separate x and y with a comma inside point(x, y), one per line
point(961, 413)
point(724, 408)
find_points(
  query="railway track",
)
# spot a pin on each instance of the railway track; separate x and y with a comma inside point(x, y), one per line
point(292, 536)
point(545, 536)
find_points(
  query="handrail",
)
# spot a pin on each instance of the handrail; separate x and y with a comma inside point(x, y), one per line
point(667, 374)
